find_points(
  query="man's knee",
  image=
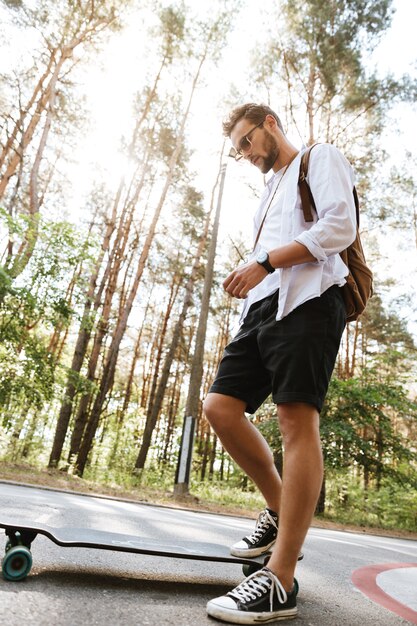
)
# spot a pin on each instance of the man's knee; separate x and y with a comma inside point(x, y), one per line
point(213, 410)
point(210, 408)
point(298, 419)
point(221, 411)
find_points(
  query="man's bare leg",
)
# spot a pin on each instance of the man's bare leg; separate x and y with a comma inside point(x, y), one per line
point(245, 444)
point(302, 479)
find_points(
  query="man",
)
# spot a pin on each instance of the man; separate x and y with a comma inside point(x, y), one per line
point(292, 322)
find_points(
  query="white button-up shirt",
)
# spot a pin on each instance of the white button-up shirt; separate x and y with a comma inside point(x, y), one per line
point(331, 180)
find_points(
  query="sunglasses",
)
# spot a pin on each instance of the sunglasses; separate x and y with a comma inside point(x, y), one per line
point(245, 143)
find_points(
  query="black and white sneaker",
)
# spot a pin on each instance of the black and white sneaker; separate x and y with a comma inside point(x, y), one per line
point(262, 539)
point(260, 598)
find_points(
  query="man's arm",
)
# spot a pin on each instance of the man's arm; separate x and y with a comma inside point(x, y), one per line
point(247, 276)
point(331, 183)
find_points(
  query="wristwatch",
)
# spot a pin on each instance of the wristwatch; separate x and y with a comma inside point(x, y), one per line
point(263, 259)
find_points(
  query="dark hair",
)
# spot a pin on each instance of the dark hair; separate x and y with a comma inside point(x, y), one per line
point(250, 111)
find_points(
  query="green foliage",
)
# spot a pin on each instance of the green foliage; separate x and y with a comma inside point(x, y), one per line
point(319, 53)
point(388, 507)
point(387, 333)
point(331, 38)
point(358, 426)
point(31, 308)
point(267, 424)
point(224, 493)
point(171, 30)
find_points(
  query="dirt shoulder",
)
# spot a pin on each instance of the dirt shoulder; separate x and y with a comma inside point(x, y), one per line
point(54, 479)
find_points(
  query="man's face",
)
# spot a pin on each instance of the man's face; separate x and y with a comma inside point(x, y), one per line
point(256, 143)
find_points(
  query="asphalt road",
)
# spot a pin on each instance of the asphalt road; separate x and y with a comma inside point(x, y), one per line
point(79, 587)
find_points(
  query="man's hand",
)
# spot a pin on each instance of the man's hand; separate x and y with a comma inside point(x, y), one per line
point(244, 278)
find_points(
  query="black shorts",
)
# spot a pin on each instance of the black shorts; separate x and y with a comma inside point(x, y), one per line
point(292, 358)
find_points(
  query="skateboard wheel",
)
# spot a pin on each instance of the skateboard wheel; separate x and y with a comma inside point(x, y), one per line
point(17, 563)
point(251, 569)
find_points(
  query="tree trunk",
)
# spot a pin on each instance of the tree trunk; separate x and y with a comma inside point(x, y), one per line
point(155, 406)
point(80, 350)
point(193, 399)
point(192, 407)
point(122, 322)
point(109, 283)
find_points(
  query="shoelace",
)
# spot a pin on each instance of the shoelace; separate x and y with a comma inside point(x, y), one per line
point(256, 584)
point(264, 521)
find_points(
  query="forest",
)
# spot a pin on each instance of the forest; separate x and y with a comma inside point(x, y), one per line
point(121, 214)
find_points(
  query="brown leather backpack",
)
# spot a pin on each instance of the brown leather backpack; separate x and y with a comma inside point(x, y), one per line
point(359, 282)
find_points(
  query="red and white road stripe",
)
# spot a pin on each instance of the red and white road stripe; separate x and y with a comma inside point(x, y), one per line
point(392, 585)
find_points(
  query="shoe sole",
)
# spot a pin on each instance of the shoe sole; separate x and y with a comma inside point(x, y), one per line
point(252, 552)
point(243, 617)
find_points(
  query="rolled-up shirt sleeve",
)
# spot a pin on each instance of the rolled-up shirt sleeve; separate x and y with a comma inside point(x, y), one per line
point(331, 181)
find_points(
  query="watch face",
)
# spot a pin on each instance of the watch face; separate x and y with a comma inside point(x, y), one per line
point(262, 256)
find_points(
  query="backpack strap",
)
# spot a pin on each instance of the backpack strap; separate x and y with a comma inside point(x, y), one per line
point(307, 200)
point(356, 199)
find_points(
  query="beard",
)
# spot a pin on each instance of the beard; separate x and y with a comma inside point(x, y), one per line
point(272, 150)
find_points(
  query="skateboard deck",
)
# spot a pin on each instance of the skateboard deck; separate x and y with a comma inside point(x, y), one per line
point(17, 561)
